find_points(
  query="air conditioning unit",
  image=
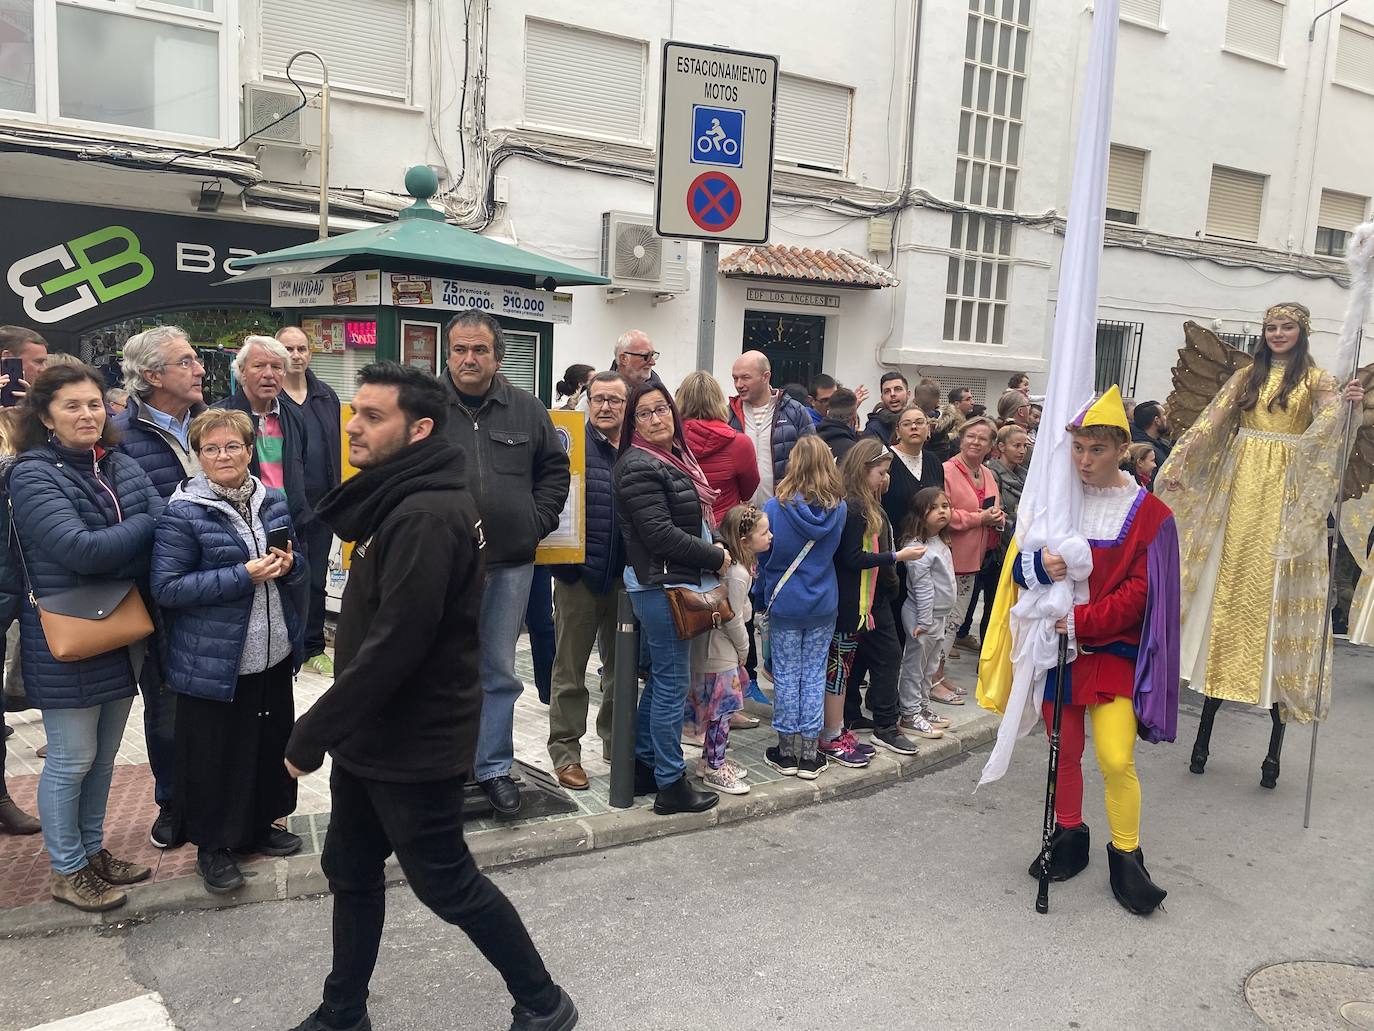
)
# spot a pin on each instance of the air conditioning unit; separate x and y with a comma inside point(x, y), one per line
point(266, 107)
point(634, 257)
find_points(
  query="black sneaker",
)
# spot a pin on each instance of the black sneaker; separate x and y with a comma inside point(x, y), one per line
point(563, 1017)
point(163, 834)
point(277, 841)
point(314, 1022)
point(810, 769)
point(784, 764)
point(894, 741)
point(219, 871)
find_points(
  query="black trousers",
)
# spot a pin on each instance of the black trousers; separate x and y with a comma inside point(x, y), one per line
point(871, 658)
point(423, 824)
point(319, 538)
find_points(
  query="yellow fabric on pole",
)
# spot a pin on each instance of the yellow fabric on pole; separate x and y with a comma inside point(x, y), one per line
point(994, 663)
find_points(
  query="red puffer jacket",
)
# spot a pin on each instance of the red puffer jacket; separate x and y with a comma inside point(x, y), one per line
point(727, 458)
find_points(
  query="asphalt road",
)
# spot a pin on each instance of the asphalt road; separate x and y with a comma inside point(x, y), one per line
point(907, 908)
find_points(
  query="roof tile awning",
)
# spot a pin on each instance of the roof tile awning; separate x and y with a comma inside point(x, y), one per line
point(804, 265)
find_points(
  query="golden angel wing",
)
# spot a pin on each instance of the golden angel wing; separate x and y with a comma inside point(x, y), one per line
point(1359, 469)
point(1205, 363)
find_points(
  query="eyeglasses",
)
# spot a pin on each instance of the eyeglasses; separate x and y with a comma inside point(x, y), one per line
point(648, 356)
point(607, 402)
point(186, 364)
point(231, 450)
point(646, 414)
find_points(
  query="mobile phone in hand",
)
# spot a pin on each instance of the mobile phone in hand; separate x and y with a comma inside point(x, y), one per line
point(279, 538)
point(14, 369)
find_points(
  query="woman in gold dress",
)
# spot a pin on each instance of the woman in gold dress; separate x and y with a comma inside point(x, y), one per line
point(1251, 483)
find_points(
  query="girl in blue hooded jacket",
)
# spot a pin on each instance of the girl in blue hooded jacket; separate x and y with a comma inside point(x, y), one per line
point(802, 597)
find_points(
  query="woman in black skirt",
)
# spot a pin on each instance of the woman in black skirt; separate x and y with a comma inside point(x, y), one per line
point(233, 645)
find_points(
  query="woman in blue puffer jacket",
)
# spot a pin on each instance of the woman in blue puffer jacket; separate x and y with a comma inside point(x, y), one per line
point(234, 641)
point(83, 515)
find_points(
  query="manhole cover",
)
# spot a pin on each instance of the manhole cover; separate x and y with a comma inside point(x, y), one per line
point(1313, 996)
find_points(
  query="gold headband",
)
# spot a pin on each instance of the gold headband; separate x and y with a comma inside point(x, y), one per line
point(1289, 311)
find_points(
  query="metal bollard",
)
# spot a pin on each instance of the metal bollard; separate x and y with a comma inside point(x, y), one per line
point(626, 694)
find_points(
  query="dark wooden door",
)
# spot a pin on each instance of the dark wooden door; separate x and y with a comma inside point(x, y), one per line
point(794, 344)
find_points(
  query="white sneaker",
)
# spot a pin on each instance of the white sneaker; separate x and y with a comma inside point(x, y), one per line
point(724, 781)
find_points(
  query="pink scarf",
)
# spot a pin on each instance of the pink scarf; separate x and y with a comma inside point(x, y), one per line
point(687, 463)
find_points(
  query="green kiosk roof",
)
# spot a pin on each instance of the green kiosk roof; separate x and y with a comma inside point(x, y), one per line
point(418, 241)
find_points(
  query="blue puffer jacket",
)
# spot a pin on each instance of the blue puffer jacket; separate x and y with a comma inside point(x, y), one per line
point(72, 533)
point(157, 451)
point(605, 559)
point(206, 594)
point(790, 422)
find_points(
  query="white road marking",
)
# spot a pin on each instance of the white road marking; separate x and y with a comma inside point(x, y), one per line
point(144, 1013)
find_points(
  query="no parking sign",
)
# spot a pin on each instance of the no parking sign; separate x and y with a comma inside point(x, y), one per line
point(715, 144)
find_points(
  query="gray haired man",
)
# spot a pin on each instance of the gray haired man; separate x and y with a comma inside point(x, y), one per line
point(163, 375)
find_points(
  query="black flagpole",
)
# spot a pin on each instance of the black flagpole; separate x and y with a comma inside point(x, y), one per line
point(1042, 897)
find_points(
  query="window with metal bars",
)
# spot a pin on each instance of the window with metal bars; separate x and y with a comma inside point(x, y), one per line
point(991, 109)
point(1247, 342)
point(1118, 355)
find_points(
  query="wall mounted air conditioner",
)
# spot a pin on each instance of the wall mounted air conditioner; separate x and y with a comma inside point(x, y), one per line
point(266, 107)
point(634, 257)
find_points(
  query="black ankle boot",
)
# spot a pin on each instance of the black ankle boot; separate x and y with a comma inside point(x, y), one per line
point(1198, 762)
point(1269, 769)
point(1131, 882)
point(645, 783)
point(1068, 853)
point(681, 797)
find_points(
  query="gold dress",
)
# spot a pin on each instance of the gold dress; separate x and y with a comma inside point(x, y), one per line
point(1255, 488)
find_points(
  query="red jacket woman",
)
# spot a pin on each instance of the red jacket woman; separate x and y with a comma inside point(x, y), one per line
point(726, 456)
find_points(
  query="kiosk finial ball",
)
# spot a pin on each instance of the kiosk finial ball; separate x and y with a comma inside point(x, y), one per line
point(421, 182)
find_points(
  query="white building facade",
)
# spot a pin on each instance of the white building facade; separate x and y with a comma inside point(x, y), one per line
point(932, 141)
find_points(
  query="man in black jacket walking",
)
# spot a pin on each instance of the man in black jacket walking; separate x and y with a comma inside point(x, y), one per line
point(400, 721)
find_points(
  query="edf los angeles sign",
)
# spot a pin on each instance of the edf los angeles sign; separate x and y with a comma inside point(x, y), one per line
point(71, 268)
point(715, 144)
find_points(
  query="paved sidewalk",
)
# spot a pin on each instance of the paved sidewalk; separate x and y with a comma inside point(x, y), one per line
point(25, 905)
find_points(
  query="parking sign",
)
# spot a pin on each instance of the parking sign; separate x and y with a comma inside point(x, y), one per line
point(717, 136)
point(715, 144)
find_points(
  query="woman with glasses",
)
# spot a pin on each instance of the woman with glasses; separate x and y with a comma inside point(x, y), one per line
point(223, 570)
point(664, 503)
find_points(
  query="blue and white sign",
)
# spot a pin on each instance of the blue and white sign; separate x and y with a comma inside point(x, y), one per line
point(717, 136)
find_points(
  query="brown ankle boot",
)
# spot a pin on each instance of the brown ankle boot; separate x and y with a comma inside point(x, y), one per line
point(87, 891)
point(14, 820)
point(117, 871)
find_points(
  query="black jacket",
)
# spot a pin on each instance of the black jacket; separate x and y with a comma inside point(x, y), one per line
point(851, 560)
point(320, 416)
point(882, 422)
point(517, 469)
point(903, 487)
point(839, 437)
point(660, 516)
point(406, 697)
point(293, 453)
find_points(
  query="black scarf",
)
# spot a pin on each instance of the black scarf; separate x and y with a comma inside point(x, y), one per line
point(355, 508)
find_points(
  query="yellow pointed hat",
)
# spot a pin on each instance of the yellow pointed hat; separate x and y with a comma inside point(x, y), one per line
point(1107, 410)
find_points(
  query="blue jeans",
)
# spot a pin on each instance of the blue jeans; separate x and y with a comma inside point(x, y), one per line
point(75, 786)
point(539, 622)
point(503, 614)
point(658, 728)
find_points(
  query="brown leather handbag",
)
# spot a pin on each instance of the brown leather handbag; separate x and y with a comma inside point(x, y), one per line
point(90, 619)
point(695, 612)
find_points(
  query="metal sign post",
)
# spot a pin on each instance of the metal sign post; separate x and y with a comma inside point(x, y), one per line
point(715, 159)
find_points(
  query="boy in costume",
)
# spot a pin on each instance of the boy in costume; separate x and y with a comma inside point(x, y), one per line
point(1123, 647)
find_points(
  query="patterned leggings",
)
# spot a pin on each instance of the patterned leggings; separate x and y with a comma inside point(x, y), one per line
point(799, 661)
point(717, 736)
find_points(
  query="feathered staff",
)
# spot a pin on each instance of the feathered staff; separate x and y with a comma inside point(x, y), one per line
point(1360, 257)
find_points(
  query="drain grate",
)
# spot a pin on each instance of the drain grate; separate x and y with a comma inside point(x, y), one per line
point(1313, 996)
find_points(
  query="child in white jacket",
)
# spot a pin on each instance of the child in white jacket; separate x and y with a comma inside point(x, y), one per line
point(931, 595)
point(718, 656)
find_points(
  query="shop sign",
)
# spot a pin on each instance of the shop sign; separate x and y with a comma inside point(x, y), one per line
point(404, 290)
point(70, 268)
point(800, 297)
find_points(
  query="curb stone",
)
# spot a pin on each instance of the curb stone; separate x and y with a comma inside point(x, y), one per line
point(299, 876)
